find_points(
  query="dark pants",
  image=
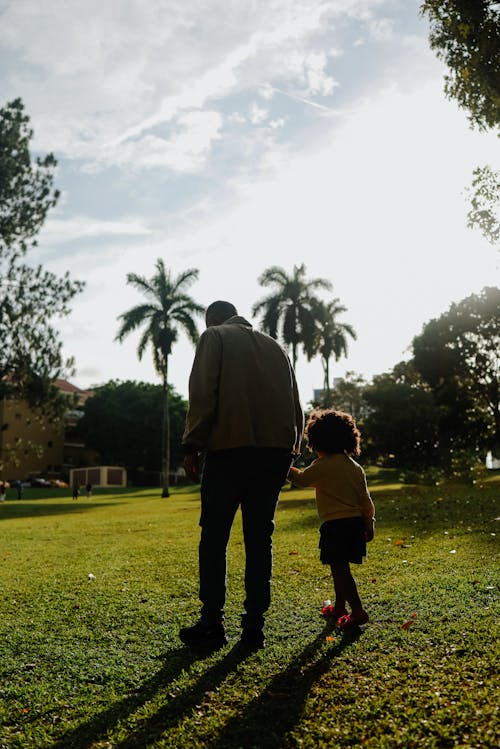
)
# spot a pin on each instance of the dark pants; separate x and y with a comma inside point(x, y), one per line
point(252, 478)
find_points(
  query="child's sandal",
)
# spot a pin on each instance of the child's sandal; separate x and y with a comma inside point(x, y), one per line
point(330, 612)
point(353, 620)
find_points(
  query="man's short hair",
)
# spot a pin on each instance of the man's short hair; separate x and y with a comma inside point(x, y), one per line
point(220, 311)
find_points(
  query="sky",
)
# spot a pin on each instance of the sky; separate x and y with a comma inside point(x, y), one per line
point(229, 136)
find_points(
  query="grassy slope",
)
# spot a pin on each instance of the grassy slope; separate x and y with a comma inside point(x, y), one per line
point(97, 663)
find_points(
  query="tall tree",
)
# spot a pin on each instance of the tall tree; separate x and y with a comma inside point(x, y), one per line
point(123, 422)
point(400, 426)
point(466, 35)
point(288, 311)
point(167, 310)
point(457, 354)
point(485, 203)
point(30, 297)
point(331, 335)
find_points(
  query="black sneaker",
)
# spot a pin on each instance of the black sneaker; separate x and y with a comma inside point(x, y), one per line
point(252, 638)
point(204, 635)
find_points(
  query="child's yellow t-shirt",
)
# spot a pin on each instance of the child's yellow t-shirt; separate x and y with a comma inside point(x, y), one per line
point(341, 489)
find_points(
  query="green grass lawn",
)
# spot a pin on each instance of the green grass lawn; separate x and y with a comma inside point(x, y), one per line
point(97, 663)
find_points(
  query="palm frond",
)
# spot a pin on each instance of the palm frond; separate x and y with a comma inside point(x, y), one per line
point(186, 321)
point(185, 303)
point(349, 330)
point(133, 319)
point(271, 316)
point(142, 284)
point(185, 279)
point(307, 332)
point(261, 304)
point(162, 283)
point(291, 326)
point(273, 275)
point(318, 283)
point(143, 343)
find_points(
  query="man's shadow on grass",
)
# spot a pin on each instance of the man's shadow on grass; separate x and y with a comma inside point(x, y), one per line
point(88, 733)
point(266, 720)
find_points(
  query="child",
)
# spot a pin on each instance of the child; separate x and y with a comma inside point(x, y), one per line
point(343, 503)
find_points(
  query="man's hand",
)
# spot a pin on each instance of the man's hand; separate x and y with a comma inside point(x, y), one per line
point(369, 530)
point(192, 466)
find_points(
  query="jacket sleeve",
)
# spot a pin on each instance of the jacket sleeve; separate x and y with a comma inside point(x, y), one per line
point(299, 413)
point(203, 391)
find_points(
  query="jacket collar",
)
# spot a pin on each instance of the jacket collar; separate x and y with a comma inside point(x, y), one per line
point(237, 320)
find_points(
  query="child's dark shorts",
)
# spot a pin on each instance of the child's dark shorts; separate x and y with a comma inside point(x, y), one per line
point(342, 540)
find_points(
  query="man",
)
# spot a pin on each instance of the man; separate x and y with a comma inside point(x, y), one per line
point(245, 416)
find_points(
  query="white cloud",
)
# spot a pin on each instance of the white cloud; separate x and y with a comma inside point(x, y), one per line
point(62, 230)
point(277, 123)
point(266, 91)
point(111, 72)
point(184, 151)
point(381, 29)
point(236, 119)
point(257, 114)
point(317, 79)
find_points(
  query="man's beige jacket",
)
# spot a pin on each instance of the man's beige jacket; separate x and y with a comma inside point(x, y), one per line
point(242, 392)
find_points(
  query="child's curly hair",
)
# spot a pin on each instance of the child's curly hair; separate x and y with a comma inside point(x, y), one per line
point(332, 431)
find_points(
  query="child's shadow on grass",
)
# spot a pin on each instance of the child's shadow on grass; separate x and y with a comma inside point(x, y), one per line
point(87, 734)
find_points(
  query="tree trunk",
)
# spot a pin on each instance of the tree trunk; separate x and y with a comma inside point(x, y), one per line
point(326, 370)
point(165, 435)
point(326, 383)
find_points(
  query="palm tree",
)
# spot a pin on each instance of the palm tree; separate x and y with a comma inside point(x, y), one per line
point(330, 335)
point(289, 307)
point(168, 308)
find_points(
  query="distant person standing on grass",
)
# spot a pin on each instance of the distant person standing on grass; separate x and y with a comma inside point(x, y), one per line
point(88, 489)
point(76, 491)
point(343, 503)
point(3, 491)
point(245, 417)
